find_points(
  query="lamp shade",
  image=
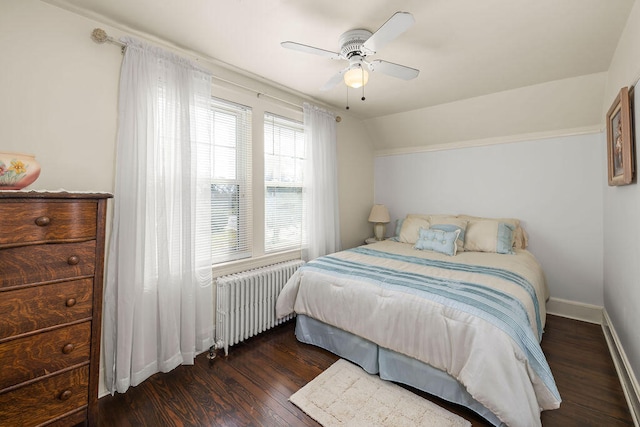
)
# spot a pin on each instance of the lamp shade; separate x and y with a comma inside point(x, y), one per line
point(379, 213)
point(356, 77)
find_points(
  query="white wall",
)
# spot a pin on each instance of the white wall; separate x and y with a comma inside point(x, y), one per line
point(622, 209)
point(59, 92)
point(572, 103)
point(355, 175)
point(554, 186)
point(59, 101)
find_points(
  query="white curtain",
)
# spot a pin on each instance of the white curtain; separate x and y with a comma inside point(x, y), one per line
point(321, 216)
point(158, 306)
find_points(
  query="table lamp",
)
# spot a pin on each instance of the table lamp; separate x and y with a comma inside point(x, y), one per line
point(380, 216)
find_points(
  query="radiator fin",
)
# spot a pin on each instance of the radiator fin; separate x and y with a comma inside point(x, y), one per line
point(246, 302)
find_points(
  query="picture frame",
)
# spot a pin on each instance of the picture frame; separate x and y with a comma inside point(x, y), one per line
point(620, 140)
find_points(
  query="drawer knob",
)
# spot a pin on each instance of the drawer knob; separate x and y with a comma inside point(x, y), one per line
point(65, 395)
point(43, 221)
point(73, 260)
point(68, 348)
point(70, 302)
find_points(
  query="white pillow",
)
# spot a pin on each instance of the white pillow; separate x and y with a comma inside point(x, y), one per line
point(520, 238)
point(410, 230)
point(486, 235)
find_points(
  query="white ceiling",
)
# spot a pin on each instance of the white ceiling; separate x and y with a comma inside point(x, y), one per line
point(463, 48)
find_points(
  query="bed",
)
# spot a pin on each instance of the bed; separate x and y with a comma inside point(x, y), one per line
point(465, 326)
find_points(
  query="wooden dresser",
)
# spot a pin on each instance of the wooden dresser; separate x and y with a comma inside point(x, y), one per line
point(51, 274)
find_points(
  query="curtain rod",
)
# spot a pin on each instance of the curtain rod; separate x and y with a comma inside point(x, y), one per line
point(100, 36)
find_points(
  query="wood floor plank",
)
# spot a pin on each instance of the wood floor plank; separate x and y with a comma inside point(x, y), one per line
point(252, 385)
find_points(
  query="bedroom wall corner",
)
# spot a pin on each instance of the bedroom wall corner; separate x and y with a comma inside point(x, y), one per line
point(355, 175)
point(575, 310)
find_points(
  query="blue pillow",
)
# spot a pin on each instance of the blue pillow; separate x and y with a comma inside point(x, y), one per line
point(399, 222)
point(505, 237)
point(440, 241)
point(451, 227)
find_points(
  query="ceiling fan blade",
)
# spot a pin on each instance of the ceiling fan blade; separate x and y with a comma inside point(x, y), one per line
point(334, 81)
point(310, 49)
point(396, 25)
point(393, 70)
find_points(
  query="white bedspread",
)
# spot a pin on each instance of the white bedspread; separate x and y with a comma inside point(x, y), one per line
point(480, 325)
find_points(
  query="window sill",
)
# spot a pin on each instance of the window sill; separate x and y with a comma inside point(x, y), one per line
point(232, 267)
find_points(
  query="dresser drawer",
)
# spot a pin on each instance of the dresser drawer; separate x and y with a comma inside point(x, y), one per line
point(41, 354)
point(40, 221)
point(30, 309)
point(46, 399)
point(42, 263)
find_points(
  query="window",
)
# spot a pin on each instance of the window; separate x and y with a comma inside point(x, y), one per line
point(231, 184)
point(284, 153)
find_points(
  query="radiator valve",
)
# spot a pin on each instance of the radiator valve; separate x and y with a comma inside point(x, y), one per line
point(212, 350)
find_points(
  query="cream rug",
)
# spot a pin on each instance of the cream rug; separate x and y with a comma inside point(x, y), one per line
point(346, 395)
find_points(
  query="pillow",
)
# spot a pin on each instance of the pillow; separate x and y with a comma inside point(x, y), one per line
point(396, 234)
point(440, 241)
point(520, 238)
point(410, 229)
point(450, 223)
point(488, 235)
point(421, 216)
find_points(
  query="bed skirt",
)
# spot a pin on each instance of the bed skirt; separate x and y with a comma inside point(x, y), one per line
point(388, 364)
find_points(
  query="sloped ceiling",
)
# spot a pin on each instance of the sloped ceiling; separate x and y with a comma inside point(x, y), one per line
point(463, 48)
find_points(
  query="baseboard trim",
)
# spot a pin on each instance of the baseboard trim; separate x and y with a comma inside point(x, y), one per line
point(628, 379)
point(575, 310)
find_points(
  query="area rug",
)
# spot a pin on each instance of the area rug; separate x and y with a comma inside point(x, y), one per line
point(346, 395)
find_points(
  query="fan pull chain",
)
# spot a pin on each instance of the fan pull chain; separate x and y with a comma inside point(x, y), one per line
point(347, 97)
point(362, 69)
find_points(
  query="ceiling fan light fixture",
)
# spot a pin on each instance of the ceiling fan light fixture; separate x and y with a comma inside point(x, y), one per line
point(356, 77)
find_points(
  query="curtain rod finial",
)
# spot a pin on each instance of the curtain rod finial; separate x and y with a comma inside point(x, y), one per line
point(338, 119)
point(99, 35)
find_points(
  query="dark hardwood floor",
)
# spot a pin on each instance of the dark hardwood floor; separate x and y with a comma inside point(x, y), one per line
point(252, 385)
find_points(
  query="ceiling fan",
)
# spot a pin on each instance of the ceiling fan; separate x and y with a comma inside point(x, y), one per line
point(357, 45)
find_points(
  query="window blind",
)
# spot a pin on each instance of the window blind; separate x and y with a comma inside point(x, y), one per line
point(284, 153)
point(231, 184)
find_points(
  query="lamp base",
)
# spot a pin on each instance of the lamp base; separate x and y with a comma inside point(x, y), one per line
point(379, 230)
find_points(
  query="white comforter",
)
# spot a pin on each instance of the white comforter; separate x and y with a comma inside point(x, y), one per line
point(498, 359)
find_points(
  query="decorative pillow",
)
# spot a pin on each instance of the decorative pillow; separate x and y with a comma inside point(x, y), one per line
point(450, 223)
point(486, 235)
point(410, 229)
point(438, 241)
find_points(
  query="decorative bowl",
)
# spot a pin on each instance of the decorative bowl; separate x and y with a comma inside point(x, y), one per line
point(17, 170)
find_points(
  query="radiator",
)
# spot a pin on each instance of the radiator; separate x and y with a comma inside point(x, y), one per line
point(246, 302)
